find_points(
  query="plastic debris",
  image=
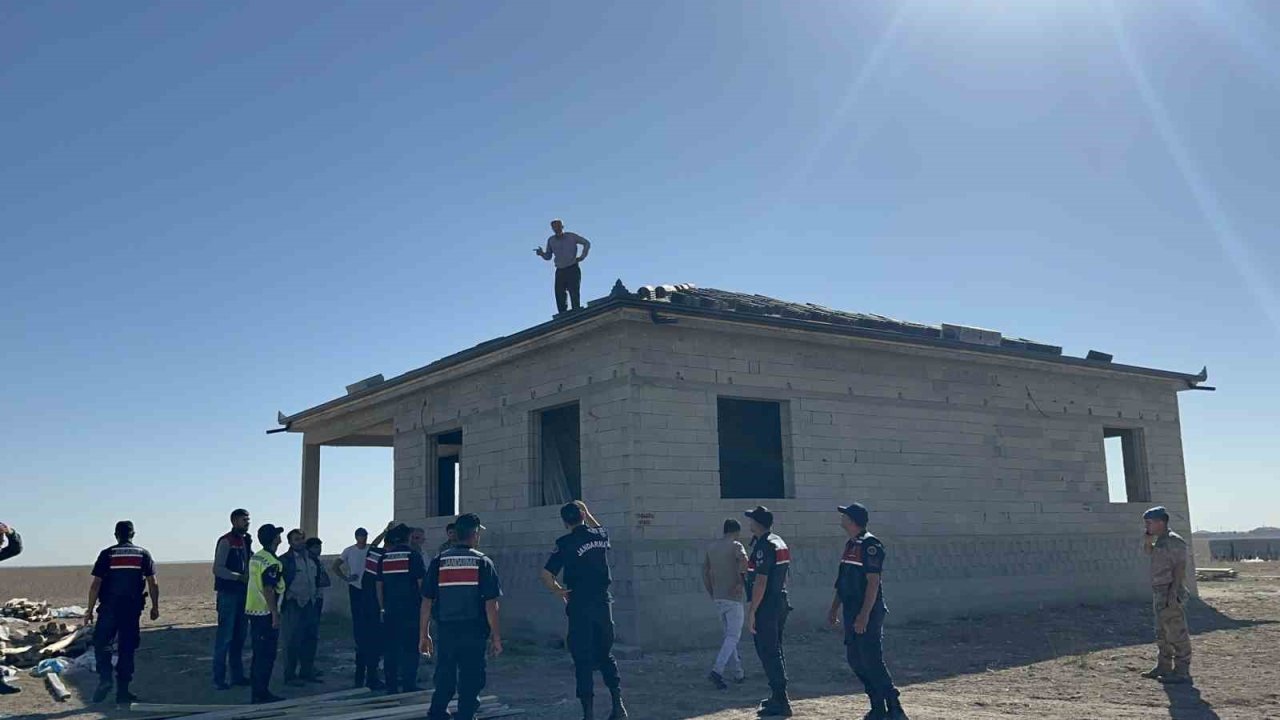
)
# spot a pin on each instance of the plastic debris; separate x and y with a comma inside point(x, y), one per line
point(51, 665)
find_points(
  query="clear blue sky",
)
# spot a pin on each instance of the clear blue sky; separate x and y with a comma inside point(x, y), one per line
point(211, 211)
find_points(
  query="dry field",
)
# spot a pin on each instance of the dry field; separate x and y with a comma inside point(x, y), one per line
point(1065, 663)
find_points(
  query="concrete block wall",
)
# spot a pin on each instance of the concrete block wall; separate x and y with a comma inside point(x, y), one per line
point(986, 477)
point(494, 408)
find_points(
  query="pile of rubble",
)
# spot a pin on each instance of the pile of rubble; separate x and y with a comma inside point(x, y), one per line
point(29, 633)
point(25, 609)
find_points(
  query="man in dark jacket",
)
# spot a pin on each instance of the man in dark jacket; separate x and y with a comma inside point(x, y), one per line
point(12, 542)
point(12, 546)
point(298, 619)
point(230, 582)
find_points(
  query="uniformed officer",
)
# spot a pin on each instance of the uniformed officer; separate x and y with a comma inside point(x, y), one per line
point(861, 595)
point(460, 594)
point(117, 591)
point(1168, 589)
point(400, 574)
point(368, 629)
point(262, 604)
point(767, 566)
point(583, 555)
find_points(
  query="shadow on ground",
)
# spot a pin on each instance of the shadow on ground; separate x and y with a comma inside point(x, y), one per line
point(174, 664)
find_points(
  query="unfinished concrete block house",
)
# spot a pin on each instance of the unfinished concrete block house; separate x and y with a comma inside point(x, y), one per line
point(669, 409)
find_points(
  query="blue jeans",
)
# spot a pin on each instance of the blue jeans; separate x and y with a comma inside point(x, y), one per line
point(228, 643)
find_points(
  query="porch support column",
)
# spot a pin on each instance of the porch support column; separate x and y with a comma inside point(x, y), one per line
point(310, 522)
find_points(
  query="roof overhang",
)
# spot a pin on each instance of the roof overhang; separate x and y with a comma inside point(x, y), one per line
point(598, 313)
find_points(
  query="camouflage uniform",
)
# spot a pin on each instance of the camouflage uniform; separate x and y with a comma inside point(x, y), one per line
point(1168, 554)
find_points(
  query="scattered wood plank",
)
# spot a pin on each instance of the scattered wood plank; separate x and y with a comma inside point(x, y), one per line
point(56, 688)
point(56, 648)
point(250, 712)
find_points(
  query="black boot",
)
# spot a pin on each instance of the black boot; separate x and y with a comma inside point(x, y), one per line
point(619, 711)
point(588, 708)
point(123, 696)
point(104, 689)
point(879, 710)
point(374, 682)
point(778, 705)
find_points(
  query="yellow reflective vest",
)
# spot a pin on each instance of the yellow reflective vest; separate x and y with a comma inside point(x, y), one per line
point(261, 564)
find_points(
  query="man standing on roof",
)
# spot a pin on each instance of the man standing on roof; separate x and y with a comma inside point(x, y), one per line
point(563, 247)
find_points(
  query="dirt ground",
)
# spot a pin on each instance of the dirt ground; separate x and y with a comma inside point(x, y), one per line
point(1057, 664)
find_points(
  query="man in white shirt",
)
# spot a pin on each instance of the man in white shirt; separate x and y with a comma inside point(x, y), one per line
point(563, 248)
point(350, 566)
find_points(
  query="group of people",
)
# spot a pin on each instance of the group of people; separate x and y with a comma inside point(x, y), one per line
point(273, 598)
point(407, 601)
point(750, 586)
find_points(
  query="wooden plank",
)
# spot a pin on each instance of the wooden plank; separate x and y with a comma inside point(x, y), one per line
point(56, 688)
point(398, 697)
point(55, 648)
point(251, 712)
point(399, 711)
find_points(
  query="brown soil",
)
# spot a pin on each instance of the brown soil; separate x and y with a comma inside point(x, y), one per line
point(1057, 664)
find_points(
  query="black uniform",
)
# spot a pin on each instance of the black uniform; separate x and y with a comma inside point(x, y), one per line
point(400, 571)
point(770, 558)
point(122, 568)
point(863, 556)
point(459, 582)
point(366, 621)
point(583, 554)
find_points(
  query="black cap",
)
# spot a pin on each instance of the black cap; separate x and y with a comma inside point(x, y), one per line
point(239, 512)
point(398, 533)
point(269, 532)
point(124, 529)
point(1156, 513)
point(857, 512)
point(362, 531)
point(469, 522)
point(761, 515)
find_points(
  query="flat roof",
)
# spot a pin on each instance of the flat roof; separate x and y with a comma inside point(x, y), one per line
point(768, 312)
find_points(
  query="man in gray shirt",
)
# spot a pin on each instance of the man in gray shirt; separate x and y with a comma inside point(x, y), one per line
point(299, 623)
point(563, 247)
point(722, 574)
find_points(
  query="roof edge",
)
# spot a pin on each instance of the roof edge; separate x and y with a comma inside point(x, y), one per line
point(608, 304)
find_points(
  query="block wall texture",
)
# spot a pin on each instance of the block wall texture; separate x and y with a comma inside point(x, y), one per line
point(495, 410)
point(985, 475)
